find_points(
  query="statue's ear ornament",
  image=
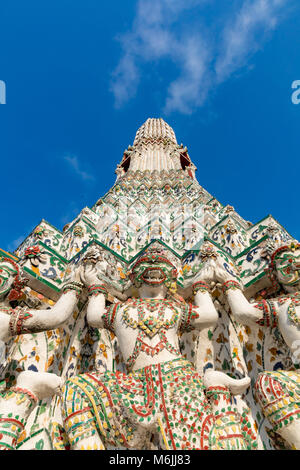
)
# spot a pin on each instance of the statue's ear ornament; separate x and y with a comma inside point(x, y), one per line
point(19, 282)
point(135, 281)
point(17, 289)
point(173, 287)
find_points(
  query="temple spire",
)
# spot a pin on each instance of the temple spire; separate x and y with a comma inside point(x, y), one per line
point(155, 130)
point(155, 148)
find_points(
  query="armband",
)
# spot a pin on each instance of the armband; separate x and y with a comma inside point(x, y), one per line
point(231, 284)
point(16, 321)
point(96, 289)
point(33, 398)
point(76, 286)
point(200, 286)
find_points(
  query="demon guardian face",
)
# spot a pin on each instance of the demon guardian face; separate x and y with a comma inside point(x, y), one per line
point(154, 268)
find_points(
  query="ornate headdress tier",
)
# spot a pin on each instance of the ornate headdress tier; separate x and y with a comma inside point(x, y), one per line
point(155, 254)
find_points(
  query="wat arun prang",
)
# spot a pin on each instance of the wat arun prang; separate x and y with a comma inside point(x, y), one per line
point(157, 319)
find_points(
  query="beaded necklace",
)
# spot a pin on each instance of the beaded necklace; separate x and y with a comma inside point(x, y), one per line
point(295, 302)
point(295, 297)
point(150, 326)
point(292, 314)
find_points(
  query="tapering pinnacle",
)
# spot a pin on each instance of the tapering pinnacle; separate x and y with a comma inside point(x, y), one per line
point(155, 148)
point(155, 129)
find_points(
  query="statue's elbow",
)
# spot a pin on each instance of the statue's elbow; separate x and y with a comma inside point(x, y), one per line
point(210, 319)
point(94, 324)
point(94, 318)
point(245, 317)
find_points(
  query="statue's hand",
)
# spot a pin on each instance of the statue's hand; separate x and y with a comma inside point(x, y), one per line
point(74, 280)
point(207, 272)
point(213, 378)
point(222, 274)
point(75, 276)
point(89, 275)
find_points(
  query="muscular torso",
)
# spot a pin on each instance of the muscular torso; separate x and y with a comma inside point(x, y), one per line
point(283, 312)
point(147, 330)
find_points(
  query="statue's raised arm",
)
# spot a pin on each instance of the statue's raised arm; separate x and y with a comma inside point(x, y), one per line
point(283, 310)
point(21, 320)
point(97, 294)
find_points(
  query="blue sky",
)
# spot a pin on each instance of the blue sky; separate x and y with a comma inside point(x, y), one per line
point(82, 76)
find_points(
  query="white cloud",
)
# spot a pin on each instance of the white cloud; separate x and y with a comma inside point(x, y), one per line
point(190, 89)
point(152, 39)
point(75, 165)
point(126, 78)
point(246, 33)
point(161, 32)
